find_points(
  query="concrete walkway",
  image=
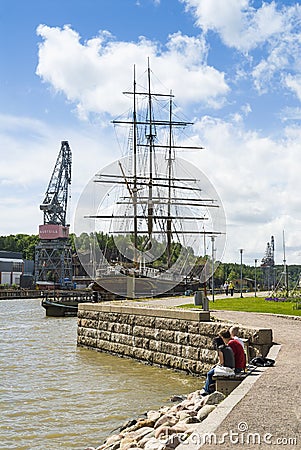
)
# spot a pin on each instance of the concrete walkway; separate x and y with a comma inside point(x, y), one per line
point(268, 416)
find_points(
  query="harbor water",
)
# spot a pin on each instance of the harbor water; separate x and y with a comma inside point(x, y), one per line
point(55, 395)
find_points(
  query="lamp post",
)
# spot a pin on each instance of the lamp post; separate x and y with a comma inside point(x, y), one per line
point(255, 278)
point(212, 257)
point(241, 250)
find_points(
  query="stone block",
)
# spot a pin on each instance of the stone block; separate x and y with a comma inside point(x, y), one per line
point(144, 321)
point(94, 315)
point(145, 332)
point(80, 331)
point(103, 345)
point(161, 359)
point(208, 356)
point(198, 340)
point(167, 336)
point(126, 328)
point(190, 352)
point(140, 342)
point(262, 337)
point(176, 362)
point(181, 338)
point(191, 366)
point(202, 368)
point(87, 341)
point(155, 346)
point(193, 327)
point(102, 325)
point(171, 349)
point(167, 324)
point(104, 335)
point(89, 332)
point(142, 354)
point(125, 339)
point(111, 327)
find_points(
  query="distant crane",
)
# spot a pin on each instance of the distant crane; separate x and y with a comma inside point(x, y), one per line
point(268, 263)
point(53, 257)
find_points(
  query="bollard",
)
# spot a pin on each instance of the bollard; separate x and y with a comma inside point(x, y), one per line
point(198, 298)
point(205, 304)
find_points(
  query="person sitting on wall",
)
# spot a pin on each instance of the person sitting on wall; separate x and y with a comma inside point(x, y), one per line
point(239, 353)
point(234, 331)
point(225, 358)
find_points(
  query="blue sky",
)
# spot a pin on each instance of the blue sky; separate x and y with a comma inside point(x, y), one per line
point(234, 67)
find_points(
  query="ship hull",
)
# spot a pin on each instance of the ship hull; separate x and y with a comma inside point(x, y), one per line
point(111, 288)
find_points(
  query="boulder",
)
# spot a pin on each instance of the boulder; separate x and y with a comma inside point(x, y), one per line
point(199, 404)
point(113, 439)
point(153, 415)
point(190, 419)
point(128, 442)
point(181, 427)
point(178, 398)
point(142, 442)
point(166, 419)
point(173, 441)
point(153, 444)
point(204, 412)
point(141, 423)
point(214, 399)
point(186, 413)
point(127, 424)
point(164, 431)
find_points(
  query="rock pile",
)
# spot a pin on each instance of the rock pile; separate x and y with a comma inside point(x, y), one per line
point(166, 428)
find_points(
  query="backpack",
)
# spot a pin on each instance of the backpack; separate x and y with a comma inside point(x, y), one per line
point(260, 361)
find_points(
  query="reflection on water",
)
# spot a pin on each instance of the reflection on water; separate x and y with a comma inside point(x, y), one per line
point(57, 396)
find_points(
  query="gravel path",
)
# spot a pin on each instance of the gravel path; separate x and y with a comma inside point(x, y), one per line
point(271, 411)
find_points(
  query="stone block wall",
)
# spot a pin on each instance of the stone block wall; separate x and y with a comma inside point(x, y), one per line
point(175, 338)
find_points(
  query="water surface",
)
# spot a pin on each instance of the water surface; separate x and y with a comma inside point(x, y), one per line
point(55, 395)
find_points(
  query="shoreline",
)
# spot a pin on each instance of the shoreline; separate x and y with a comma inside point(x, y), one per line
point(186, 424)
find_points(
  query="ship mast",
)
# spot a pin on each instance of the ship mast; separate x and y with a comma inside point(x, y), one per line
point(150, 138)
point(169, 221)
point(135, 171)
point(136, 182)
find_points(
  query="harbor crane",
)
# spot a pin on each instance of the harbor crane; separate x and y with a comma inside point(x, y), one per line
point(53, 256)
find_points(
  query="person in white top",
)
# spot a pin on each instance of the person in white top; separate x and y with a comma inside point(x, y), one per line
point(234, 335)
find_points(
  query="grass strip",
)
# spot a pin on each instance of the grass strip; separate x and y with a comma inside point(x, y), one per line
point(251, 304)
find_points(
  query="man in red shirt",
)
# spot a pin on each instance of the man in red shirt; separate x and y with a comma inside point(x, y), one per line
point(239, 354)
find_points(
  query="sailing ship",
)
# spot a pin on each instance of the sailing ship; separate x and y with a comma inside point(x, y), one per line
point(152, 203)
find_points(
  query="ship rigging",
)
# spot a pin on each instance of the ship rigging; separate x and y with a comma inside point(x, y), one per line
point(153, 203)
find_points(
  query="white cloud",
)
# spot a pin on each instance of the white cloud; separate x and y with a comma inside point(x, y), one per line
point(94, 73)
point(272, 28)
point(239, 24)
point(27, 161)
point(282, 61)
point(294, 83)
point(258, 180)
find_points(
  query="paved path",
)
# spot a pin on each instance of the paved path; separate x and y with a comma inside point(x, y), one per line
point(272, 407)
